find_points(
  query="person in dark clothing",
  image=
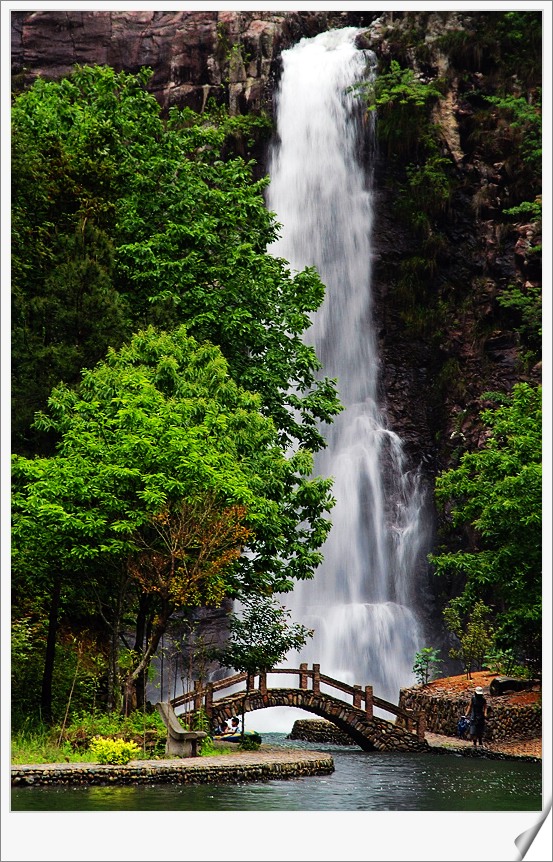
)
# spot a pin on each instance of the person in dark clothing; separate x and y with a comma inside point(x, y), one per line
point(476, 712)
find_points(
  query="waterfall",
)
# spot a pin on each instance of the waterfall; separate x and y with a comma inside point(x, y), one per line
point(362, 601)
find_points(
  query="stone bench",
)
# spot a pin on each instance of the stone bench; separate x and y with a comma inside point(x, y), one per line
point(180, 742)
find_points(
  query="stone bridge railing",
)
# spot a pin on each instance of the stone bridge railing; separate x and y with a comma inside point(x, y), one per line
point(355, 717)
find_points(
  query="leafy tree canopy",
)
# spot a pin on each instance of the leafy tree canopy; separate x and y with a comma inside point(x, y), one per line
point(122, 219)
point(495, 495)
point(475, 634)
point(157, 423)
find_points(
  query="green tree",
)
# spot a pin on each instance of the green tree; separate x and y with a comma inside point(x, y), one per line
point(53, 526)
point(66, 309)
point(166, 466)
point(494, 494)
point(425, 664)
point(473, 631)
point(260, 638)
point(122, 218)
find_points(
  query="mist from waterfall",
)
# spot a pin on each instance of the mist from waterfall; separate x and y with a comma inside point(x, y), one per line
point(362, 601)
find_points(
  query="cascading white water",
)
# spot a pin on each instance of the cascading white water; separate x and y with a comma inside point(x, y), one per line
point(362, 600)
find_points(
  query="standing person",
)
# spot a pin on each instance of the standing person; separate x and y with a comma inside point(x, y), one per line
point(476, 711)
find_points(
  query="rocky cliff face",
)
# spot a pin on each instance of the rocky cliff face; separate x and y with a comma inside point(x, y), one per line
point(231, 57)
point(434, 372)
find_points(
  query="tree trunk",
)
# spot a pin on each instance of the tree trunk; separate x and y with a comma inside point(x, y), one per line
point(113, 693)
point(142, 626)
point(130, 688)
point(48, 673)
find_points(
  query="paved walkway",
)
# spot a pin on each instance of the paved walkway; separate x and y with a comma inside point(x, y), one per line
point(521, 748)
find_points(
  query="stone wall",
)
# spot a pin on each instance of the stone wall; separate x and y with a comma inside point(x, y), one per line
point(505, 721)
point(248, 768)
point(318, 730)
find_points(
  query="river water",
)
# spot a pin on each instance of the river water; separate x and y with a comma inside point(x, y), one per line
point(362, 781)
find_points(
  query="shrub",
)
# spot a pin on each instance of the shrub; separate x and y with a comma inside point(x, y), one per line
point(115, 751)
point(403, 103)
point(248, 744)
point(425, 665)
point(505, 662)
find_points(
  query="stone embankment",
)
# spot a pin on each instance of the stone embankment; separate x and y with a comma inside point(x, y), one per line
point(263, 765)
point(506, 720)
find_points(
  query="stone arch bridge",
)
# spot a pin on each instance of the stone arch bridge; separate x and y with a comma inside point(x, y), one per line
point(354, 717)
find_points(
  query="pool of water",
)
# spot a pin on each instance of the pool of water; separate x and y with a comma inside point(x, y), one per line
point(362, 781)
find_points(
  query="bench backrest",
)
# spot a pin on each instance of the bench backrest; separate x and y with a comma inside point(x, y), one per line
point(170, 719)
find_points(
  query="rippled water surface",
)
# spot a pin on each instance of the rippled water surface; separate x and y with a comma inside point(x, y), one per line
point(362, 781)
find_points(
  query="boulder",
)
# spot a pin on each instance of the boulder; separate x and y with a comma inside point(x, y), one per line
point(503, 684)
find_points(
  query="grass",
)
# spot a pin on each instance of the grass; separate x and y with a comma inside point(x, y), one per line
point(40, 743)
point(39, 747)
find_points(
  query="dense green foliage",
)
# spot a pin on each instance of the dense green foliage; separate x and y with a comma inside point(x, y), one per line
point(402, 102)
point(423, 179)
point(526, 302)
point(524, 119)
point(122, 221)
point(495, 495)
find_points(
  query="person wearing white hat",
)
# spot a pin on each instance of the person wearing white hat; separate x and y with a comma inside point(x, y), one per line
point(476, 711)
